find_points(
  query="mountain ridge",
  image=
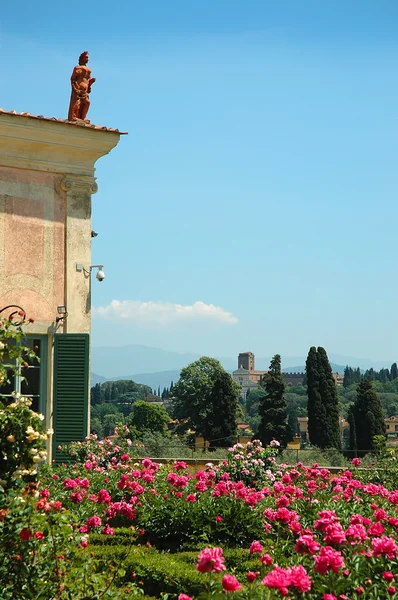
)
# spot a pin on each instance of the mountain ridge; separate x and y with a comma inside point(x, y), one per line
point(109, 361)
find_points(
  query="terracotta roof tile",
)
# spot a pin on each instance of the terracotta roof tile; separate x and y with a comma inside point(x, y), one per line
point(72, 123)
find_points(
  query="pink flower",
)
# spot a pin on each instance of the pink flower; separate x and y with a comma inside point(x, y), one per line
point(39, 535)
point(210, 560)
point(230, 583)
point(251, 576)
point(306, 545)
point(356, 462)
point(256, 548)
point(84, 541)
point(384, 546)
point(328, 559)
point(329, 597)
point(334, 534)
point(124, 457)
point(266, 559)
point(93, 521)
point(388, 576)
point(107, 530)
point(180, 465)
point(391, 590)
point(191, 498)
point(300, 579)
point(44, 493)
point(76, 497)
point(219, 519)
point(104, 497)
point(184, 597)
point(279, 579)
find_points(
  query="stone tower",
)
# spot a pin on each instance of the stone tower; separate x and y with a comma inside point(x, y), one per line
point(246, 361)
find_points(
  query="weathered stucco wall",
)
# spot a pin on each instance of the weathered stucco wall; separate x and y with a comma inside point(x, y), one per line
point(32, 243)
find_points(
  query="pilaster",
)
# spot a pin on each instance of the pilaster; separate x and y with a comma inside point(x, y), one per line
point(78, 191)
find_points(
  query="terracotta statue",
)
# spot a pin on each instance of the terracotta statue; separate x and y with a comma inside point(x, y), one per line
point(81, 87)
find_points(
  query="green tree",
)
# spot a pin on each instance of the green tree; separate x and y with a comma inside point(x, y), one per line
point(352, 431)
point(331, 437)
point(146, 416)
point(222, 424)
point(315, 408)
point(348, 377)
point(394, 371)
point(272, 408)
point(204, 397)
point(369, 417)
point(323, 403)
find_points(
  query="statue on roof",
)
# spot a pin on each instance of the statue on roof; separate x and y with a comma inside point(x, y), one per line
point(81, 82)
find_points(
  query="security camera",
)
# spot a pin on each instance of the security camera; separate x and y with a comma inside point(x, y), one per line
point(100, 274)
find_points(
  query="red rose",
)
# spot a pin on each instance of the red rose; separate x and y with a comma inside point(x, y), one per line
point(25, 534)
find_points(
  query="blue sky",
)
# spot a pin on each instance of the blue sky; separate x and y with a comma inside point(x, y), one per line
point(253, 205)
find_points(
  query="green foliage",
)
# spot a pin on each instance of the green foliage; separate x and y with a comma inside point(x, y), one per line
point(315, 407)
point(22, 439)
point(368, 416)
point(272, 407)
point(164, 573)
point(323, 405)
point(351, 376)
point(206, 396)
point(146, 416)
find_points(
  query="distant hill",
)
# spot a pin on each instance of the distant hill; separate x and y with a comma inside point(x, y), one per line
point(110, 361)
point(154, 366)
point(94, 379)
point(154, 380)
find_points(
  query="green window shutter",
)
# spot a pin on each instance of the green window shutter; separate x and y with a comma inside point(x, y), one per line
point(71, 393)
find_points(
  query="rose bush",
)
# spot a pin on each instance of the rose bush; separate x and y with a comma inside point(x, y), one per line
point(315, 533)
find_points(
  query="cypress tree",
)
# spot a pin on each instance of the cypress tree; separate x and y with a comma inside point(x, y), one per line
point(315, 409)
point(348, 377)
point(394, 371)
point(331, 437)
point(272, 408)
point(369, 417)
point(221, 424)
point(353, 432)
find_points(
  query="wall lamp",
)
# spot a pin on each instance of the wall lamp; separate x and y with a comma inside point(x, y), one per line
point(100, 275)
point(62, 314)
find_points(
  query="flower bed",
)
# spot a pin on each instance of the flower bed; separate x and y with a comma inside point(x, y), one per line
point(286, 532)
point(314, 533)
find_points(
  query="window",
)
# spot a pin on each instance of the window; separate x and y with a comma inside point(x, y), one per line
point(31, 381)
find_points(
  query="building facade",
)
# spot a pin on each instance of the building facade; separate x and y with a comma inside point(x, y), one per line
point(46, 183)
point(247, 377)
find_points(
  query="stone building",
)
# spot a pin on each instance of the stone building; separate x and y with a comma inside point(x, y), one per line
point(248, 377)
point(46, 183)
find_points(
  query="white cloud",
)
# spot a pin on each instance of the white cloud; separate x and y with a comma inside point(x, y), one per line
point(163, 313)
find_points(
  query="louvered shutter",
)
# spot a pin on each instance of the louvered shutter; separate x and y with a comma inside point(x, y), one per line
point(71, 393)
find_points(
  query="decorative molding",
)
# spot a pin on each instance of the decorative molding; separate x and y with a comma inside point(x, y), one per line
point(51, 146)
point(75, 183)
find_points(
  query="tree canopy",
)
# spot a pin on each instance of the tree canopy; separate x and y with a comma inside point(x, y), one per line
point(368, 417)
point(323, 404)
point(272, 407)
point(207, 398)
point(147, 416)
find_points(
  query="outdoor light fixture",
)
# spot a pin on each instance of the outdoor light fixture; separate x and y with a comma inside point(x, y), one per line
point(62, 313)
point(100, 273)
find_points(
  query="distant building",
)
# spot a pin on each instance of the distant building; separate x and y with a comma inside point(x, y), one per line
point(249, 378)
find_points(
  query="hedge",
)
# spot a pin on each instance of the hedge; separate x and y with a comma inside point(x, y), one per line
point(161, 572)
